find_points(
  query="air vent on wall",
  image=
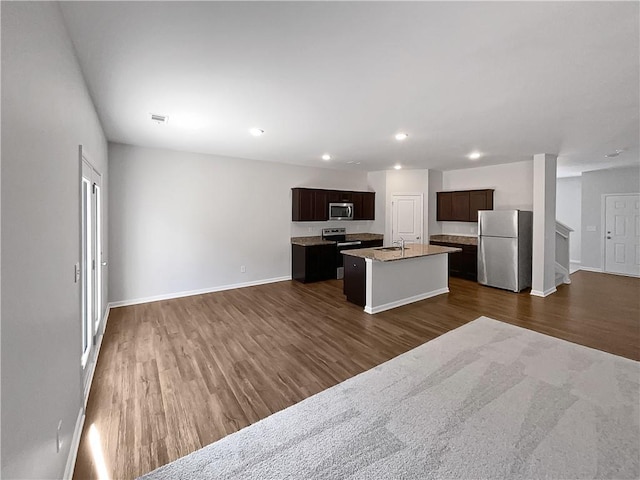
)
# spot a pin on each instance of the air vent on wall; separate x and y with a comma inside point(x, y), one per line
point(159, 118)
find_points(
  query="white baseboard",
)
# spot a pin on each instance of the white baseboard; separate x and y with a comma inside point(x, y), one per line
point(546, 293)
point(405, 301)
point(77, 432)
point(574, 266)
point(105, 319)
point(169, 296)
point(75, 444)
point(590, 269)
point(622, 274)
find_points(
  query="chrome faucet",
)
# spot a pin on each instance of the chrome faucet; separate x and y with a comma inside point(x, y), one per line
point(401, 242)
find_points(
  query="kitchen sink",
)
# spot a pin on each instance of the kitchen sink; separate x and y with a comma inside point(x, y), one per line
point(389, 249)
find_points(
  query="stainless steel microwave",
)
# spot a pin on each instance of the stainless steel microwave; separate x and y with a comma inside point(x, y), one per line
point(341, 211)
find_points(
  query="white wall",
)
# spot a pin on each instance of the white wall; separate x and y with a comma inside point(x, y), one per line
point(406, 181)
point(183, 222)
point(594, 185)
point(569, 211)
point(512, 182)
point(435, 186)
point(378, 183)
point(46, 114)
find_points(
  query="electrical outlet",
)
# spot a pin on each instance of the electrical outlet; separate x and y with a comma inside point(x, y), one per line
point(310, 229)
point(243, 269)
point(59, 437)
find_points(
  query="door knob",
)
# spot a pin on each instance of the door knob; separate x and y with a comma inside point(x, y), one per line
point(104, 264)
point(608, 238)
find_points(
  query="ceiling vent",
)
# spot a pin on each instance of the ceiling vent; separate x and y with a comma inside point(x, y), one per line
point(159, 118)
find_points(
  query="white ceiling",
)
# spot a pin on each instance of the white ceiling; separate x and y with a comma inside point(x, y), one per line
point(508, 79)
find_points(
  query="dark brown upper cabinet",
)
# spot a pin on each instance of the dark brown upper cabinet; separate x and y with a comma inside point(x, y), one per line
point(460, 206)
point(445, 206)
point(463, 205)
point(321, 205)
point(479, 200)
point(312, 204)
point(303, 204)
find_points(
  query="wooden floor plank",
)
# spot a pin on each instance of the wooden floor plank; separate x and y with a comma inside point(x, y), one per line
point(176, 375)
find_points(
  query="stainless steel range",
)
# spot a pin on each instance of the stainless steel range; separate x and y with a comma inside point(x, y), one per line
point(339, 235)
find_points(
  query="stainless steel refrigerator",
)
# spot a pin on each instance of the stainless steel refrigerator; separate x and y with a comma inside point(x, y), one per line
point(505, 240)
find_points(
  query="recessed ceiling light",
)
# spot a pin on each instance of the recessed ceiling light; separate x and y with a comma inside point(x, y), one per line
point(350, 162)
point(158, 118)
point(401, 136)
point(474, 155)
point(611, 155)
point(398, 167)
point(256, 132)
point(326, 157)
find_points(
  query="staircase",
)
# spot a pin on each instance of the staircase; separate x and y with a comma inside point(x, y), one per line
point(562, 253)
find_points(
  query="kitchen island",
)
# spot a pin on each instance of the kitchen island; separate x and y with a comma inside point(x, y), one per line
point(379, 279)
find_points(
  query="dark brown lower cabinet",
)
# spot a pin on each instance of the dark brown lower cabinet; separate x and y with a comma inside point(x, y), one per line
point(355, 278)
point(462, 264)
point(313, 263)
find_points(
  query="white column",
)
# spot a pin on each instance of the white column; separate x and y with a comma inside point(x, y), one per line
point(543, 280)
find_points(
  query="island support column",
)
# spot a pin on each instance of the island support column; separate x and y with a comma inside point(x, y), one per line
point(544, 225)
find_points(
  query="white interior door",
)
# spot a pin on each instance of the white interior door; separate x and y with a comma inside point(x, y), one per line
point(406, 217)
point(622, 234)
point(91, 265)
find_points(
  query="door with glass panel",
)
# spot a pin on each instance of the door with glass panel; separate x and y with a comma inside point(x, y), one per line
point(91, 266)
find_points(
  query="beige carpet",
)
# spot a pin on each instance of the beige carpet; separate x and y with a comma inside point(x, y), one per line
point(487, 400)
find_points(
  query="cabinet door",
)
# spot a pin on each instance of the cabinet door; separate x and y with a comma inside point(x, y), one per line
point(455, 264)
point(358, 200)
point(333, 196)
point(444, 204)
point(321, 205)
point(455, 259)
point(345, 197)
point(302, 204)
point(299, 263)
point(325, 261)
point(460, 206)
point(313, 263)
point(355, 278)
point(470, 262)
point(479, 200)
point(369, 206)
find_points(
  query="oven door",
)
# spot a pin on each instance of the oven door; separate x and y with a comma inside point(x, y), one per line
point(340, 246)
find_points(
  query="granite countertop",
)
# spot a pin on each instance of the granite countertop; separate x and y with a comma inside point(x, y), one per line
point(460, 239)
point(412, 250)
point(351, 237)
point(312, 241)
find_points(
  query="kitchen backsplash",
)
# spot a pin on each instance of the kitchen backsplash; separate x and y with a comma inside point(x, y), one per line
point(460, 228)
point(312, 229)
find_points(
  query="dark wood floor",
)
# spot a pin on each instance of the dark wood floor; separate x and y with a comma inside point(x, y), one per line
point(176, 375)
